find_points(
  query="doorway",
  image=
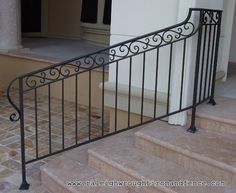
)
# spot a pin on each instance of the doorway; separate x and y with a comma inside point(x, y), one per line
point(31, 16)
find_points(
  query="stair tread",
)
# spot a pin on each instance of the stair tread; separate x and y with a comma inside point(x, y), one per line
point(122, 154)
point(219, 148)
point(73, 165)
point(224, 110)
point(64, 170)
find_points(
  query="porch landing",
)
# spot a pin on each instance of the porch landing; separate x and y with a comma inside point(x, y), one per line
point(56, 50)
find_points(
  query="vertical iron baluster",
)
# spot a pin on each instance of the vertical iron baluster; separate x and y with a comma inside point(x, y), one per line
point(90, 105)
point(117, 74)
point(129, 97)
point(169, 79)
point(212, 59)
point(24, 184)
point(36, 122)
point(63, 115)
point(143, 85)
point(156, 83)
point(208, 60)
point(182, 75)
point(203, 61)
point(192, 128)
point(103, 93)
point(76, 109)
point(212, 100)
point(49, 118)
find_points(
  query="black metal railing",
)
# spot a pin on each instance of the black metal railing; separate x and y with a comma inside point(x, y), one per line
point(190, 46)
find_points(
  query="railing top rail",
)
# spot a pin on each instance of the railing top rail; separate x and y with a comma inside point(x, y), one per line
point(205, 9)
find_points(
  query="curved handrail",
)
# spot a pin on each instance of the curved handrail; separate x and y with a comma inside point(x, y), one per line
point(120, 51)
point(13, 117)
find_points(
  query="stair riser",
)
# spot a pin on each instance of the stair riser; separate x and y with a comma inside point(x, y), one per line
point(185, 159)
point(52, 185)
point(214, 125)
point(119, 174)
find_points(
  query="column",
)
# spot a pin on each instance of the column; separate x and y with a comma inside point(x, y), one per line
point(10, 30)
point(184, 5)
point(181, 118)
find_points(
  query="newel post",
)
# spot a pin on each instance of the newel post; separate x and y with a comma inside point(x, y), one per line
point(192, 128)
point(212, 100)
point(24, 184)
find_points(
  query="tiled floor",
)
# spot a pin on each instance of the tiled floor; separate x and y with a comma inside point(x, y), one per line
point(10, 167)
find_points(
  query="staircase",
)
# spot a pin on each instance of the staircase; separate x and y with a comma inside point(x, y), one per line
point(158, 152)
point(155, 153)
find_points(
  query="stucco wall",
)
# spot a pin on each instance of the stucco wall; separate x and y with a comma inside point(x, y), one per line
point(136, 18)
point(131, 19)
point(210, 4)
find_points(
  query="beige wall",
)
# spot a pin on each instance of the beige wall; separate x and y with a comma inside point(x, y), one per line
point(11, 67)
point(122, 119)
point(61, 19)
point(64, 17)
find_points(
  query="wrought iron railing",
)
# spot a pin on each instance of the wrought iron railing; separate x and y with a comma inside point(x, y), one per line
point(201, 28)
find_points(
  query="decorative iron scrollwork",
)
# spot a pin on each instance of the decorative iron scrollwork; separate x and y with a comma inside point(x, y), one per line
point(14, 117)
point(155, 40)
point(211, 17)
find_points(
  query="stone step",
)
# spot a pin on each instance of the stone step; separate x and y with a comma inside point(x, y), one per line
point(65, 173)
point(120, 159)
point(219, 118)
point(207, 152)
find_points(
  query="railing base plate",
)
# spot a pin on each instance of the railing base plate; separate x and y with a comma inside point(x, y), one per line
point(192, 130)
point(212, 102)
point(24, 186)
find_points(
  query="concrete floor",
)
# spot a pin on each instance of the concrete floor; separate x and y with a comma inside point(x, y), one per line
point(60, 49)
